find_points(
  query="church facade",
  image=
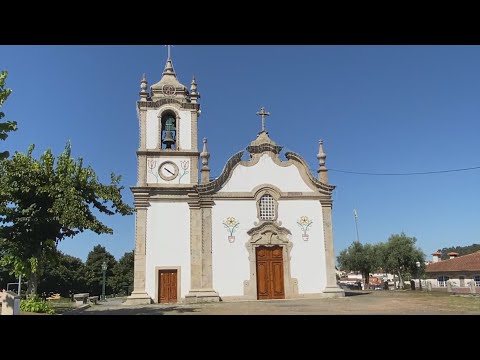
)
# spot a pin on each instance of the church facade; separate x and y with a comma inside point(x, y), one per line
point(260, 230)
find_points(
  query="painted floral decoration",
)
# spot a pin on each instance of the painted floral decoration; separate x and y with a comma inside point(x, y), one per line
point(304, 222)
point(152, 164)
point(185, 165)
point(231, 223)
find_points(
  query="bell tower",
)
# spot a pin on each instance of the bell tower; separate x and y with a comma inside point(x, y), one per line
point(168, 115)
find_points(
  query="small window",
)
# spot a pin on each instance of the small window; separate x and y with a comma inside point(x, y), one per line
point(267, 207)
point(442, 281)
point(476, 278)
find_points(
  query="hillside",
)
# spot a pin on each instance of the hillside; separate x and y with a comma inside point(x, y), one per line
point(461, 250)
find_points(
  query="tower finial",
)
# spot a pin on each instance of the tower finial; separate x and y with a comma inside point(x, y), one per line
point(205, 155)
point(143, 88)
point(321, 156)
point(193, 86)
point(194, 94)
point(169, 65)
point(169, 52)
point(262, 113)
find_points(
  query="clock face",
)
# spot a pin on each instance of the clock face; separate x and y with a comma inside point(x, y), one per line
point(168, 170)
point(168, 90)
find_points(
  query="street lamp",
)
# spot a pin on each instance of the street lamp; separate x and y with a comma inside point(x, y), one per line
point(418, 275)
point(104, 269)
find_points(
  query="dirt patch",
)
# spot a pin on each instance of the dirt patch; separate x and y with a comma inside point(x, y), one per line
point(357, 303)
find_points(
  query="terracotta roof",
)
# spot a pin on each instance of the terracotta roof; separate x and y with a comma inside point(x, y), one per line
point(452, 253)
point(470, 262)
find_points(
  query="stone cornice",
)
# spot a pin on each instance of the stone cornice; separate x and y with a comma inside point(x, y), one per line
point(283, 195)
point(196, 201)
point(320, 185)
point(164, 152)
point(157, 104)
point(140, 198)
point(215, 185)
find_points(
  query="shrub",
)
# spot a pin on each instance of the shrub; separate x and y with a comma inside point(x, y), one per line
point(34, 304)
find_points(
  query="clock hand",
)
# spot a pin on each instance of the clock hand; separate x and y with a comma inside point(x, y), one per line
point(170, 172)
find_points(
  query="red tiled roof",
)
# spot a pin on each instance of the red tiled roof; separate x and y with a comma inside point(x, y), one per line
point(452, 253)
point(470, 262)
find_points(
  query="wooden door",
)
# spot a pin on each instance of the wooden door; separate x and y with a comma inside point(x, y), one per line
point(270, 284)
point(167, 286)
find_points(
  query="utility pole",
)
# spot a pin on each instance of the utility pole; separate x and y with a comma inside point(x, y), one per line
point(355, 217)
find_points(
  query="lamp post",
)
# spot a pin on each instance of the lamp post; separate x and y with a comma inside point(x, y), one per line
point(104, 269)
point(418, 275)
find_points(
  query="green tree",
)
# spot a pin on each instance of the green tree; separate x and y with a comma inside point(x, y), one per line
point(43, 201)
point(5, 277)
point(64, 275)
point(5, 127)
point(399, 256)
point(93, 270)
point(359, 257)
point(122, 280)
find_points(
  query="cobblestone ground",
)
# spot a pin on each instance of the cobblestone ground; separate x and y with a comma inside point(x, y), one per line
point(355, 303)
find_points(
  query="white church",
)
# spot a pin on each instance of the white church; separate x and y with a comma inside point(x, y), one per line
point(260, 230)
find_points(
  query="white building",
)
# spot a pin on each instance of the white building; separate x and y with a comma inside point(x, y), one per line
point(261, 230)
point(460, 271)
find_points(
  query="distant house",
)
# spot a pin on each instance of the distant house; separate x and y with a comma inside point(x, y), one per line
point(459, 270)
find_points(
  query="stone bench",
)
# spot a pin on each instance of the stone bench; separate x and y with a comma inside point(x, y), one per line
point(93, 299)
point(81, 299)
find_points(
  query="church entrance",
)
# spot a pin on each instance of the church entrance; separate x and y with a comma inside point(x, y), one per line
point(167, 286)
point(270, 280)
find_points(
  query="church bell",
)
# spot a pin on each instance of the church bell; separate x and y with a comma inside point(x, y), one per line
point(168, 139)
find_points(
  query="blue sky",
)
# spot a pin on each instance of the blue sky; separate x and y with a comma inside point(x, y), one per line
point(377, 108)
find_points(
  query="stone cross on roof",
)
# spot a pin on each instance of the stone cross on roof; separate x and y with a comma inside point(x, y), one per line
point(263, 113)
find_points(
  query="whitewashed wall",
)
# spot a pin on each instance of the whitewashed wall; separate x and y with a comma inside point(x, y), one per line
point(152, 129)
point(454, 279)
point(231, 266)
point(230, 262)
point(308, 257)
point(266, 172)
point(168, 242)
point(153, 132)
point(185, 124)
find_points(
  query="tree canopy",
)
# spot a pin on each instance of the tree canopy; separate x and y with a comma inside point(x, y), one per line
point(359, 257)
point(43, 201)
point(94, 272)
point(400, 255)
point(5, 127)
point(63, 275)
point(397, 256)
point(122, 280)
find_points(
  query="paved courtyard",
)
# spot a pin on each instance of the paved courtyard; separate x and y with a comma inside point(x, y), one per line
point(355, 303)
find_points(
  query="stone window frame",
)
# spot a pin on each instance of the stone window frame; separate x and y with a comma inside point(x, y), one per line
point(164, 111)
point(443, 282)
point(275, 194)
